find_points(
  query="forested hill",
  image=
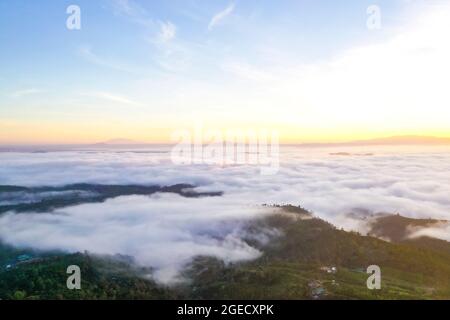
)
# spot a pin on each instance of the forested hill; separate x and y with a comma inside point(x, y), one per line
point(310, 259)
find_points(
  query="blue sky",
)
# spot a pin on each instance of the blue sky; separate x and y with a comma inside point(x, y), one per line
point(161, 61)
point(39, 45)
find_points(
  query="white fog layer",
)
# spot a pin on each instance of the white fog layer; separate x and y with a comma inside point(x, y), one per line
point(165, 231)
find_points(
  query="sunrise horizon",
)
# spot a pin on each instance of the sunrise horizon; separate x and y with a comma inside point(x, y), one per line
point(414, 139)
point(177, 71)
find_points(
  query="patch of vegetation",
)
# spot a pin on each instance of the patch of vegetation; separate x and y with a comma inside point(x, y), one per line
point(51, 198)
point(397, 228)
point(101, 279)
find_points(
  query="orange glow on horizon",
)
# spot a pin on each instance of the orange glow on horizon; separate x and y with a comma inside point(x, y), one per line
point(94, 132)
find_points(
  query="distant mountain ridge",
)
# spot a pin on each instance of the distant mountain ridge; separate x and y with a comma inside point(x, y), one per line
point(37, 199)
point(123, 142)
point(394, 140)
point(120, 141)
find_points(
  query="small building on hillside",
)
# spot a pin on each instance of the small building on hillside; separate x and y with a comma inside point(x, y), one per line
point(329, 269)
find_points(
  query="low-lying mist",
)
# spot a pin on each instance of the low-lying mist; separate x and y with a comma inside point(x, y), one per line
point(165, 231)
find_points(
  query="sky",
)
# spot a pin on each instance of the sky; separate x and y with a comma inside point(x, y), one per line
point(311, 70)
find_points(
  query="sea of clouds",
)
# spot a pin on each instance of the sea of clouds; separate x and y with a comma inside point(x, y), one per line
point(166, 231)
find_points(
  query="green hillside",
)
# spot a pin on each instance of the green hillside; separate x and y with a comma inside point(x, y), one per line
point(295, 265)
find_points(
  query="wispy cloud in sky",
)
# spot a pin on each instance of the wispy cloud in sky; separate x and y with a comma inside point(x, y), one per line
point(167, 32)
point(123, 6)
point(220, 16)
point(172, 54)
point(87, 54)
point(25, 92)
point(111, 97)
point(248, 72)
point(133, 11)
